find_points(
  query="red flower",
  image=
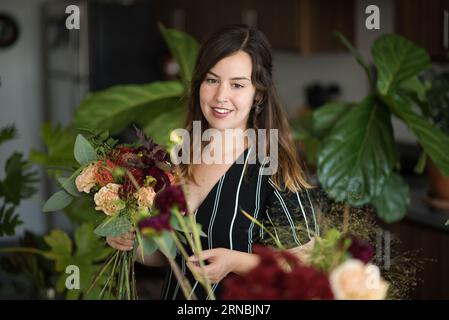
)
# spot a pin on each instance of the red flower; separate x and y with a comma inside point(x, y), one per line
point(269, 281)
point(155, 224)
point(103, 172)
point(360, 249)
point(162, 179)
point(170, 197)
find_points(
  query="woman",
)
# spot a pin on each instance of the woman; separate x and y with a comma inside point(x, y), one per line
point(232, 88)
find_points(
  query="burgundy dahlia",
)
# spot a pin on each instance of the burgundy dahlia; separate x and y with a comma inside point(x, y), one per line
point(360, 249)
point(157, 223)
point(170, 197)
point(269, 281)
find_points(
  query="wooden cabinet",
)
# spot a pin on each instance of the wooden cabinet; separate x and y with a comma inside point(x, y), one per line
point(304, 26)
point(425, 23)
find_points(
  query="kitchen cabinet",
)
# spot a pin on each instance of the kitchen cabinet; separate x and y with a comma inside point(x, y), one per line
point(304, 26)
point(425, 23)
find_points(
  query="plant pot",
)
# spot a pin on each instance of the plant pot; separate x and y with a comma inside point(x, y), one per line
point(438, 196)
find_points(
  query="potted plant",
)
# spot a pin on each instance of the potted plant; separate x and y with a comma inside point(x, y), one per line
point(357, 153)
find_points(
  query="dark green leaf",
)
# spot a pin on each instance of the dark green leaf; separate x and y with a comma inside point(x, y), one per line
point(184, 49)
point(326, 116)
point(357, 157)
point(19, 182)
point(432, 139)
point(394, 200)
point(8, 220)
point(397, 59)
point(117, 107)
point(7, 133)
point(419, 168)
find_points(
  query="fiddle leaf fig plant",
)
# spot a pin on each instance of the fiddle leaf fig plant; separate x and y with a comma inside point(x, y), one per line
point(357, 152)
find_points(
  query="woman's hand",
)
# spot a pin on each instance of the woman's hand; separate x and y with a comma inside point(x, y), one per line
point(124, 242)
point(221, 262)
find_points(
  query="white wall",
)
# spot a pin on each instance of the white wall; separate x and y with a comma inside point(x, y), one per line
point(21, 97)
point(292, 72)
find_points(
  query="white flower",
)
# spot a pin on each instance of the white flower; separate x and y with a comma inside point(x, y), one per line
point(108, 200)
point(353, 280)
point(86, 179)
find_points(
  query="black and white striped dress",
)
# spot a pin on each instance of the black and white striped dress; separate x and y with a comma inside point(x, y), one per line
point(291, 217)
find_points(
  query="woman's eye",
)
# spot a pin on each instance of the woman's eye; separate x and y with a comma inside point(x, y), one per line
point(237, 86)
point(210, 80)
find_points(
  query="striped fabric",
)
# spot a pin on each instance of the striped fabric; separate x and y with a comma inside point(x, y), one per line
point(244, 187)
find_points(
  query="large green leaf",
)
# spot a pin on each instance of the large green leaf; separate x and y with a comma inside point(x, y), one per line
point(7, 133)
point(160, 127)
point(184, 49)
point(434, 141)
point(58, 201)
point(357, 157)
point(397, 59)
point(394, 200)
point(115, 108)
point(89, 245)
point(326, 116)
point(83, 151)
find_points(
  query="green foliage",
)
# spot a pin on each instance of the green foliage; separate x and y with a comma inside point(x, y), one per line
point(8, 220)
point(57, 201)
point(59, 143)
point(84, 152)
point(18, 183)
point(330, 251)
point(114, 226)
point(357, 151)
point(86, 253)
point(7, 133)
point(438, 100)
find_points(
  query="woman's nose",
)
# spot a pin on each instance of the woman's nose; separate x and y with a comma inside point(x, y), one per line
point(222, 94)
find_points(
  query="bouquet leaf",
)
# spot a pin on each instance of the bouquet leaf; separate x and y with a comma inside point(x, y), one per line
point(114, 226)
point(84, 152)
point(57, 201)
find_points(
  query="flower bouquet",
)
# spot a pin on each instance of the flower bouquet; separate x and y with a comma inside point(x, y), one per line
point(171, 227)
point(336, 266)
point(122, 181)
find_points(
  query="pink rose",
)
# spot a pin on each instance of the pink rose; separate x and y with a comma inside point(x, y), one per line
point(145, 197)
point(86, 179)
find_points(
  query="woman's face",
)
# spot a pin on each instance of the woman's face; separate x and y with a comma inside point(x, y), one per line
point(227, 93)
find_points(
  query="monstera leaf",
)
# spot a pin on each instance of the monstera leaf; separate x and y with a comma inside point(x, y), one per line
point(397, 60)
point(357, 156)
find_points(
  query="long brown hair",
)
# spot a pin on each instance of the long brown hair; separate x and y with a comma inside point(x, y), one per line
point(266, 113)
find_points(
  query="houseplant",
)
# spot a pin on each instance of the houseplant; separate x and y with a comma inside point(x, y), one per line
point(357, 154)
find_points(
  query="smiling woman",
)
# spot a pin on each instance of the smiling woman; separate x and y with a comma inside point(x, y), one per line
point(232, 90)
